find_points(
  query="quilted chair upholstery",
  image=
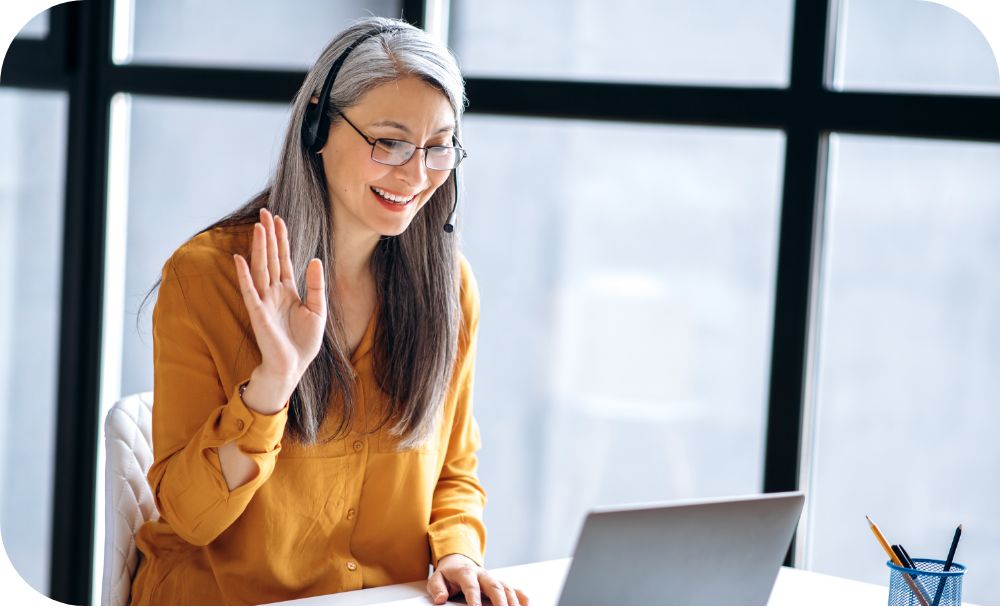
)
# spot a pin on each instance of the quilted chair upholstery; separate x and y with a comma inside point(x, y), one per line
point(128, 432)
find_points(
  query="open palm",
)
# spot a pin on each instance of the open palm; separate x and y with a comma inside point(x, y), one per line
point(289, 331)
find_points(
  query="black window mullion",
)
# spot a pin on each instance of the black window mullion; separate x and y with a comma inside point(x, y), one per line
point(955, 117)
point(797, 244)
point(415, 12)
point(896, 114)
point(232, 84)
point(29, 64)
point(81, 314)
point(62, 39)
point(629, 102)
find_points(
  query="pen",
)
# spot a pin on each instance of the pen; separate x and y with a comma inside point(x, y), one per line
point(898, 551)
point(947, 563)
point(906, 558)
point(895, 559)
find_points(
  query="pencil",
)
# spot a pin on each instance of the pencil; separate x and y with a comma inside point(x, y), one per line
point(947, 564)
point(910, 564)
point(895, 559)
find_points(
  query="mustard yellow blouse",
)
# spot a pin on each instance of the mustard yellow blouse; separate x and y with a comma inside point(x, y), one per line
point(345, 515)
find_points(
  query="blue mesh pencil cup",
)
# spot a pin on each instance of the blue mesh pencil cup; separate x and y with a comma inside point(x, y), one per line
point(929, 579)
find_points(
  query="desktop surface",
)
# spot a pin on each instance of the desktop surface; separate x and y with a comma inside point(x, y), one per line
point(543, 582)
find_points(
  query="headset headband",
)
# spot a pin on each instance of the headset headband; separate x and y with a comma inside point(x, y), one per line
point(316, 124)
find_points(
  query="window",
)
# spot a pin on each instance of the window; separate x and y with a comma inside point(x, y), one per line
point(691, 42)
point(235, 33)
point(32, 157)
point(907, 356)
point(926, 46)
point(627, 276)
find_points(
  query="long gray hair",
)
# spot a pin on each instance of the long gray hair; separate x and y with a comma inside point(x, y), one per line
point(416, 273)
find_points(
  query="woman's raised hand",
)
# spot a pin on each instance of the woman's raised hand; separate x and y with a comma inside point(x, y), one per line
point(289, 331)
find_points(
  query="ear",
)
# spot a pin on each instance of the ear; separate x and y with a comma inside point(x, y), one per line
point(314, 100)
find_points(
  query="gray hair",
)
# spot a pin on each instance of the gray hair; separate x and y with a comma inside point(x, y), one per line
point(416, 273)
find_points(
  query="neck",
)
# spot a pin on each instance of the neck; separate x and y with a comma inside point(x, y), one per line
point(352, 252)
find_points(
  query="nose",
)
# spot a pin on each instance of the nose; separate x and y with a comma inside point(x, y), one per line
point(414, 170)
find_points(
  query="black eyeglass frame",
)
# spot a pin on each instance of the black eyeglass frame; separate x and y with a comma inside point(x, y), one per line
point(373, 141)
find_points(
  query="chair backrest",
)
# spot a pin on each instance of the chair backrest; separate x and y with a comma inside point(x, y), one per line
point(128, 432)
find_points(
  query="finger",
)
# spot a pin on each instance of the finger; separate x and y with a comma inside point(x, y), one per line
point(284, 251)
point(437, 589)
point(250, 296)
point(493, 589)
point(258, 260)
point(470, 588)
point(512, 598)
point(316, 287)
point(521, 596)
point(273, 263)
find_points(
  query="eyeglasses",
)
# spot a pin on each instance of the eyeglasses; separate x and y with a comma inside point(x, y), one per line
point(395, 152)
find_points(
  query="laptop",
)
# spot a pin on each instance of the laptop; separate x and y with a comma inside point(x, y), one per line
point(700, 552)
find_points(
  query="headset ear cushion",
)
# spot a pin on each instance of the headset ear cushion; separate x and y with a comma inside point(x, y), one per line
point(312, 136)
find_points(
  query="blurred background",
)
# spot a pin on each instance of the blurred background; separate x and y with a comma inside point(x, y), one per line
point(723, 247)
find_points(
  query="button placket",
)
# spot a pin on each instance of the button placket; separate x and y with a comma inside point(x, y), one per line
point(354, 485)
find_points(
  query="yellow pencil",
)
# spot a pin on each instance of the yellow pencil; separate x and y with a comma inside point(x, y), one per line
point(895, 559)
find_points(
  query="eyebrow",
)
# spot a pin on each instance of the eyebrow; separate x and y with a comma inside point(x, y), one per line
point(403, 127)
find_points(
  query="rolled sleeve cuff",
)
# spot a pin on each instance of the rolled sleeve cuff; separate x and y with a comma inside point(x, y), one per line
point(253, 431)
point(465, 536)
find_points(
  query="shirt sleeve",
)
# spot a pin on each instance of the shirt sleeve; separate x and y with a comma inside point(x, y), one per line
point(456, 524)
point(193, 414)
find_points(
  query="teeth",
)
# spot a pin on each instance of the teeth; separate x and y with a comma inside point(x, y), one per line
point(392, 197)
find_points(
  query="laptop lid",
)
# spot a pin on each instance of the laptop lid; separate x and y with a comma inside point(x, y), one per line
point(701, 552)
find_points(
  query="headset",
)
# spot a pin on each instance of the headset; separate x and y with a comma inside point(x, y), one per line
point(316, 123)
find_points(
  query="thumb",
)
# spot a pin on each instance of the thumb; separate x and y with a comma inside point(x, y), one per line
point(437, 588)
point(316, 287)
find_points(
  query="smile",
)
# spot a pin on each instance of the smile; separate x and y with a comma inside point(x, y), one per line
point(393, 198)
point(391, 205)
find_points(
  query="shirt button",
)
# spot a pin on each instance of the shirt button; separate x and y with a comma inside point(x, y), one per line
point(351, 513)
point(239, 424)
point(352, 565)
point(358, 445)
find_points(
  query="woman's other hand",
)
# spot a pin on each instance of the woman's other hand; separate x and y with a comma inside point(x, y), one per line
point(458, 573)
point(289, 332)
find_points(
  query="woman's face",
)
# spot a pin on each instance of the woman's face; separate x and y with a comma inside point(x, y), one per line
point(407, 109)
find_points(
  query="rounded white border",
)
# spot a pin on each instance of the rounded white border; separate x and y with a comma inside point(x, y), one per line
point(15, 15)
point(985, 15)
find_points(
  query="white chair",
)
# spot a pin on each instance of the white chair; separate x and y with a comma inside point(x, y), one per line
point(128, 504)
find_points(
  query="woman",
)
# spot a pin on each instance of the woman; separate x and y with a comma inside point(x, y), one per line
point(299, 452)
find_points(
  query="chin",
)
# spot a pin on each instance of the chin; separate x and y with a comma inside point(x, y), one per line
point(388, 227)
point(389, 233)
point(393, 229)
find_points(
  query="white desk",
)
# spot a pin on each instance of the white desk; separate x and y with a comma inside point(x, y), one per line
point(543, 581)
